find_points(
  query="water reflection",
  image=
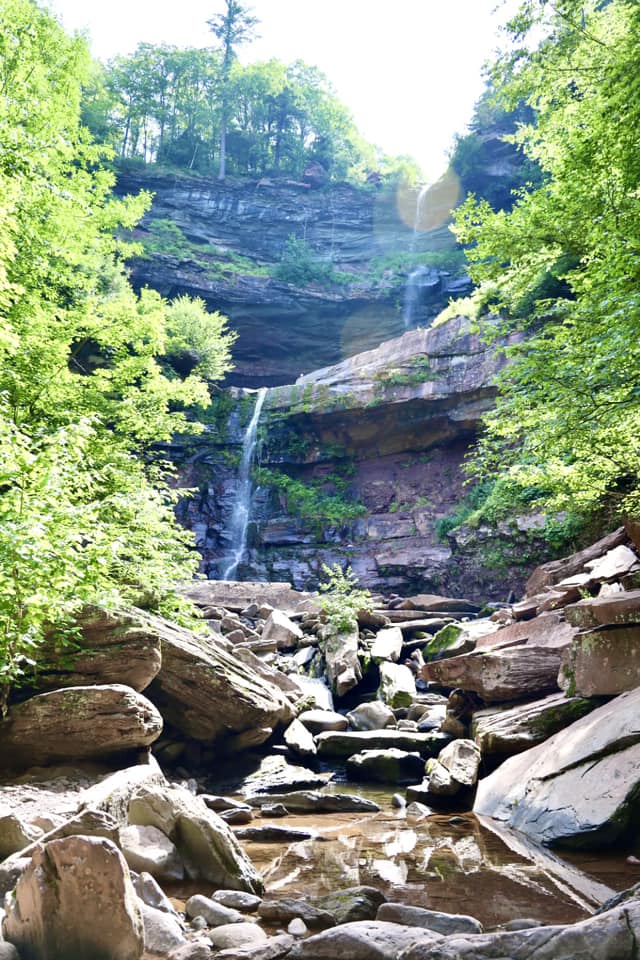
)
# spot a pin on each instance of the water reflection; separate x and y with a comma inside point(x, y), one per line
point(442, 863)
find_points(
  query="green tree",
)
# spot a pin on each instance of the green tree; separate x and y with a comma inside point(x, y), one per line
point(565, 430)
point(86, 513)
point(232, 28)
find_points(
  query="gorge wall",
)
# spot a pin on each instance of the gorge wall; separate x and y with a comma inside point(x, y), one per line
point(222, 241)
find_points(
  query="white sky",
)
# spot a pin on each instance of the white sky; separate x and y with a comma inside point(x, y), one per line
point(409, 71)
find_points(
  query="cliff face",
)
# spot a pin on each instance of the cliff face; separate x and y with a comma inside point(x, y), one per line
point(231, 235)
point(389, 430)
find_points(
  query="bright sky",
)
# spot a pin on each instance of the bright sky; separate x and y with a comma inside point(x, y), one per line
point(409, 71)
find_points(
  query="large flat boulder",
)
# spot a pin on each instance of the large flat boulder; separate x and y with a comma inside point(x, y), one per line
point(77, 723)
point(238, 596)
point(579, 788)
point(209, 693)
point(602, 662)
point(75, 901)
point(620, 608)
point(553, 572)
point(498, 675)
point(362, 940)
point(506, 731)
point(346, 744)
point(206, 845)
point(340, 649)
point(111, 647)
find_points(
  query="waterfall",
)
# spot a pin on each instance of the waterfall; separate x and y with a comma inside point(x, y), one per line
point(416, 279)
point(241, 512)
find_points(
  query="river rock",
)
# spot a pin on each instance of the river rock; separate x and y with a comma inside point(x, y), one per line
point(362, 940)
point(503, 732)
point(236, 817)
point(77, 723)
point(216, 914)
point(618, 608)
point(338, 744)
point(375, 715)
point(553, 572)
point(206, 846)
point(352, 903)
point(192, 950)
point(447, 924)
point(602, 662)
point(237, 900)
point(274, 948)
point(112, 793)
point(397, 685)
point(148, 849)
point(15, 834)
point(116, 646)
point(280, 629)
point(57, 915)
point(282, 911)
point(151, 893)
point(608, 936)
point(162, 931)
point(317, 721)
point(275, 775)
point(237, 596)
point(386, 766)
point(432, 603)
point(237, 935)
point(299, 740)
point(340, 649)
point(387, 645)
point(275, 834)
point(312, 801)
point(554, 792)
point(209, 693)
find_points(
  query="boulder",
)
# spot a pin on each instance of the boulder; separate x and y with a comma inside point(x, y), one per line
point(397, 685)
point(216, 914)
point(116, 646)
point(299, 740)
point(112, 793)
point(503, 732)
point(362, 940)
point(275, 775)
point(447, 924)
point(386, 766)
point(150, 893)
point(375, 715)
point(282, 631)
point(548, 630)
point(57, 914)
point(274, 948)
point(435, 604)
point(206, 846)
point(15, 834)
point(340, 650)
point(209, 693)
point(502, 674)
point(162, 931)
point(455, 768)
point(609, 936)
point(77, 723)
point(451, 641)
point(237, 900)
point(235, 935)
point(337, 744)
point(238, 596)
point(275, 834)
point(551, 573)
point(148, 850)
point(282, 911)
point(312, 801)
point(554, 792)
point(614, 564)
point(387, 645)
point(602, 662)
point(617, 608)
point(352, 903)
point(317, 721)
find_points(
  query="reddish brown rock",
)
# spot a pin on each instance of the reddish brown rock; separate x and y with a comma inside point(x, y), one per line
point(602, 662)
point(547, 630)
point(432, 603)
point(552, 573)
point(599, 611)
point(502, 674)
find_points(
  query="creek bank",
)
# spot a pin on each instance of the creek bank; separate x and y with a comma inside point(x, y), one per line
point(435, 741)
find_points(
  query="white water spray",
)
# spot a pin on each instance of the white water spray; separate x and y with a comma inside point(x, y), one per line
point(241, 513)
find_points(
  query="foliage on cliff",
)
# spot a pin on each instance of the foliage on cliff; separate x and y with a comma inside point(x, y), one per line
point(169, 105)
point(565, 430)
point(85, 516)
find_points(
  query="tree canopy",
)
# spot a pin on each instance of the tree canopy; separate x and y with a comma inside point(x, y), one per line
point(85, 511)
point(168, 105)
point(563, 266)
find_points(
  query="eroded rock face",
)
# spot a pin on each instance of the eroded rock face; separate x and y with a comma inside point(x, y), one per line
point(77, 723)
point(210, 694)
point(554, 792)
point(76, 902)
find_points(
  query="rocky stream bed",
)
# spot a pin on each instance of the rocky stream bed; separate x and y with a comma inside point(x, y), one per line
point(438, 781)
